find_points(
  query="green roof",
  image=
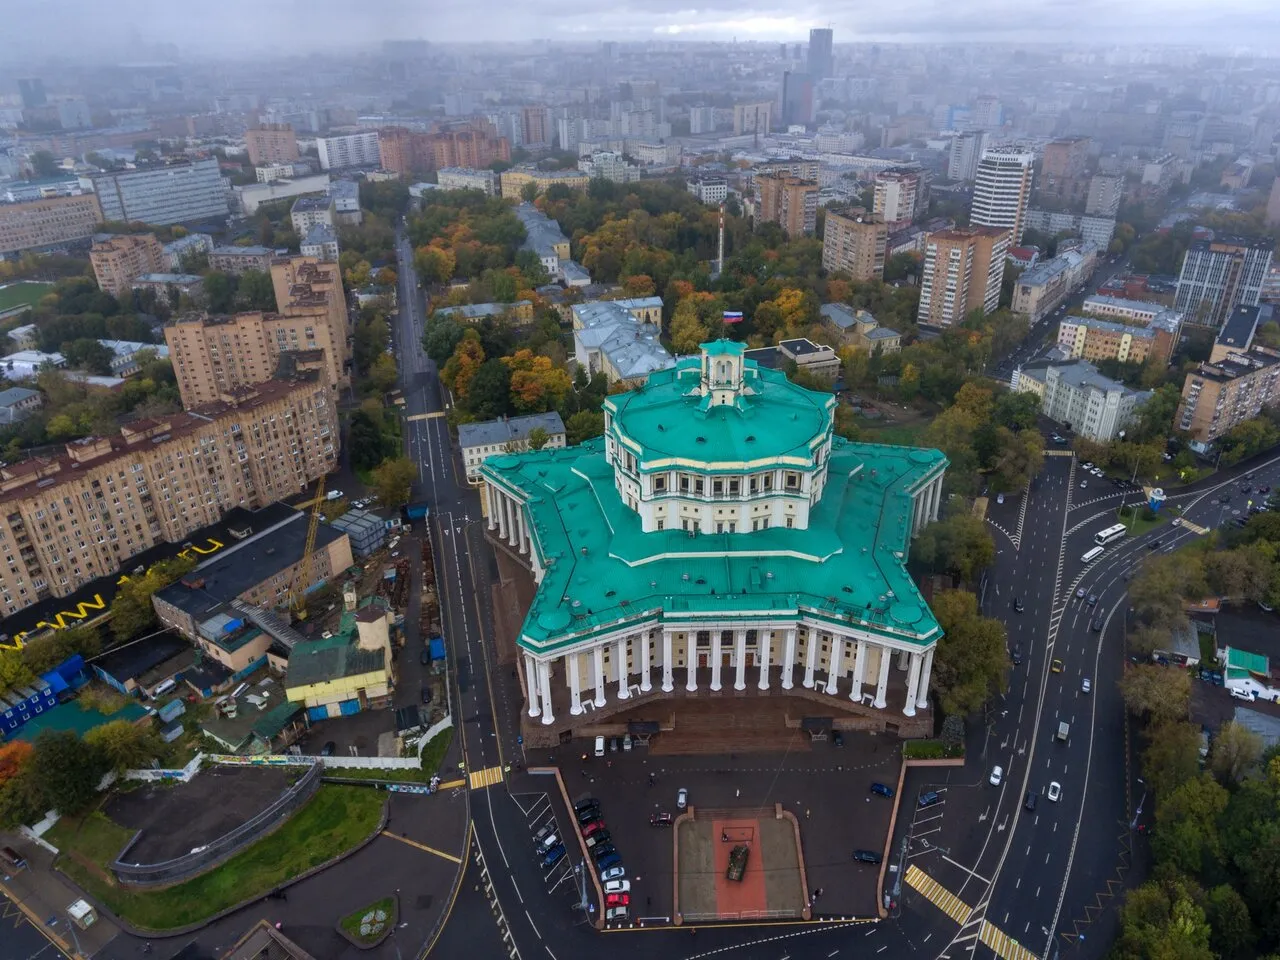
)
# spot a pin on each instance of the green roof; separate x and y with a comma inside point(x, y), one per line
point(1242, 663)
point(668, 420)
point(603, 571)
point(75, 718)
point(335, 657)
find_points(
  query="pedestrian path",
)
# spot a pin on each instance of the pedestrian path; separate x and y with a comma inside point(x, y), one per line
point(485, 778)
point(1004, 945)
point(937, 894)
point(426, 416)
point(1059, 453)
point(1194, 527)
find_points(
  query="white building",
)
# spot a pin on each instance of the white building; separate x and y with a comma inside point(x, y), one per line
point(710, 190)
point(1095, 230)
point(897, 193)
point(27, 363)
point(508, 435)
point(190, 245)
point(308, 211)
point(274, 171)
point(320, 242)
point(1001, 191)
point(1077, 395)
point(619, 338)
point(345, 195)
point(253, 195)
point(349, 150)
point(962, 158)
point(1139, 311)
point(465, 178)
point(162, 193)
point(609, 166)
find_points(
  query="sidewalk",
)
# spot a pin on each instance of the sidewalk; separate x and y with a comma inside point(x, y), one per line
point(43, 897)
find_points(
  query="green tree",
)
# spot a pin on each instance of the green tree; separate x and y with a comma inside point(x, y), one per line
point(1157, 693)
point(537, 438)
point(489, 393)
point(1186, 825)
point(43, 653)
point(1231, 930)
point(441, 339)
point(44, 164)
point(131, 610)
point(529, 192)
point(219, 292)
point(970, 663)
point(582, 426)
point(14, 671)
point(383, 374)
point(89, 355)
point(365, 443)
point(687, 328)
point(1172, 756)
point(958, 544)
point(1161, 919)
point(393, 481)
point(255, 291)
point(1234, 752)
point(125, 745)
point(66, 770)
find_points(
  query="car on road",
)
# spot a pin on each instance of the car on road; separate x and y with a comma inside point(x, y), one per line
point(425, 658)
point(617, 886)
point(333, 495)
point(1017, 604)
point(882, 790)
point(426, 694)
point(1264, 489)
point(1056, 666)
point(1155, 544)
point(661, 819)
point(866, 856)
point(997, 774)
point(1086, 686)
point(1080, 593)
point(1030, 800)
point(1087, 465)
point(1084, 483)
point(999, 498)
point(682, 798)
point(553, 856)
point(1225, 498)
point(613, 873)
point(1016, 655)
point(1093, 600)
point(1055, 791)
point(1098, 624)
point(929, 798)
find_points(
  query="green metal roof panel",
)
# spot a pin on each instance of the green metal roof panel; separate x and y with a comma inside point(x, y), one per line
point(603, 571)
point(1243, 660)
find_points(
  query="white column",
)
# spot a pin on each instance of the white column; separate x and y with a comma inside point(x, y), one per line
point(621, 663)
point(833, 667)
point(882, 684)
point(646, 641)
point(764, 640)
point(913, 686)
point(904, 659)
point(789, 658)
point(937, 499)
point(524, 531)
point(811, 656)
point(598, 654)
point(922, 700)
point(544, 681)
point(859, 671)
point(513, 524)
point(531, 681)
point(668, 682)
point(575, 685)
point(488, 496)
point(740, 657)
point(920, 505)
point(691, 659)
point(500, 508)
point(715, 659)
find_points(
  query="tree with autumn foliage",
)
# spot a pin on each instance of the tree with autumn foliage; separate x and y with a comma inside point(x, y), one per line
point(537, 385)
point(463, 364)
point(687, 328)
point(434, 263)
point(13, 755)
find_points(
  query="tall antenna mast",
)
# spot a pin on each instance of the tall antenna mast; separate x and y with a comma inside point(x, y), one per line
point(720, 248)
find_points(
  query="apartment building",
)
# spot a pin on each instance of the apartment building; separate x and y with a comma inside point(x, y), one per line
point(471, 145)
point(508, 435)
point(462, 178)
point(349, 150)
point(271, 143)
point(1138, 311)
point(1092, 339)
point(709, 190)
point(161, 194)
point(897, 196)
point(535, 123)
point(963, 155)
point(1042, 287)
point(513, 181)
point(963, 269)
point(306, 212)
point(1066, 158)
point(854, 241)
point(1218, 396)
point(320, 242)
point(1220, 274)
point(68, 519)
point(1095, 230)
point(119, 261)
point(238, 260)
point(1077, 395)
point(1236, 335)
point(185, 249)
point(1002, 191)
point(1105, 194)
point(788, 201)
point(47, 223)
point(752, 118)
point(611, 166)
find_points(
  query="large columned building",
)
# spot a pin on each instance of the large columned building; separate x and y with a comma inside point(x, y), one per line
point(719, 541)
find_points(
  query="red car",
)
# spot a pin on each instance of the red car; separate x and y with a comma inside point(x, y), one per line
point(592, 827)
point(661, 819)
point(618, 900)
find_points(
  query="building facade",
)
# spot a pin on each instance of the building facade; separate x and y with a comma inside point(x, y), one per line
point(306, 212)
point(66, 520)
point(1089, 339)
point(1002, 191)
point(271, 143)
point(479, 441)
point(854, 241)
point(963, 155)
point(797, 99)
point(754, 118)
point(1105, 194)
point(462, 178)
point(788, 201)
point(709, 190)
point(962, 271)
point(119, 261)
point(47, 223)
point(698, 557)
point(607, 165)
point(897, 196)
point(1219, 275)
point(1077, 395)
point(237, 260)
point(1217, 397)
point(513, 181)
point(821, 60)
point(349, 150)
point(167, 193)
point(1042, 287)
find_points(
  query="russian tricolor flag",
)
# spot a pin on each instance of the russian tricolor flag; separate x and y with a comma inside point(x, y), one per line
point(733, 316)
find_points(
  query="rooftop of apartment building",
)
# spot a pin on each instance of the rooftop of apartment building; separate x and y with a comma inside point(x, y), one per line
point(490, 432)
point(1259, 243)
point(319, 233)
point(23, 479)
point(958, 234)
point(1077, 373)
point(1047, 270)
point(1237, 365)
point(1242, 323)
point(253, 251)
point(1114, 326)
point(311, 204)
point(344, 189)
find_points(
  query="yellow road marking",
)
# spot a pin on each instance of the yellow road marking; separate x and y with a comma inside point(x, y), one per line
point(422, 846)
point(452, 785)
point(485, 778)
point(938, 895)
point(1194, 527)
point(1004, 945)
point(425, 416)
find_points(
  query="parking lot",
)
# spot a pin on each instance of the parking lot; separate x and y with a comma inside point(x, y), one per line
point(550, 828)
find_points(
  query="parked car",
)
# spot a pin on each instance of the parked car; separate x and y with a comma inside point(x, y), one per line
point(929, 799)
point(882, 790)
point(661, 819)
point(608, 874)
point(616, 914)
point(603, 850)
point(595, 826)
point(596, 839)
point(617, 899)
point(553, 856)
point(546, 831)
point(607, 863)
point(837, 738)
point(586, 816)
point(866, 856)
point(682, 798)
point(426, 694)
point(548, 842)
point(425, 658)
point(585, 804)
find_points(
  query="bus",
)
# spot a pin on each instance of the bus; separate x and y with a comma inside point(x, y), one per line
point(1109, 535)
point(1092, 555)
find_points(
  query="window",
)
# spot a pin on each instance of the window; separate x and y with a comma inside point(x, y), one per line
point(792, 480)
point(790, 522)
point(660, 483)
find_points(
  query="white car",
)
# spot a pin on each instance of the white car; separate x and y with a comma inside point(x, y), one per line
point(613, 873)
point(1000, 498)
point(997, 774)
point(1055, 791)
point(333, 495)
point(1087, 465)
point(617, 886)
point(682, 798)
point(1085, 685)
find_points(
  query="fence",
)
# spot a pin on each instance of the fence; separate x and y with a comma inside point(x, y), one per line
point(688, 918)
point(184, 774)
point(208, 856)
point(438, 727)
point(289, 760)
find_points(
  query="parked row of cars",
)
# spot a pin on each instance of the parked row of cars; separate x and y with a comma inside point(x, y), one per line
point(595, 834)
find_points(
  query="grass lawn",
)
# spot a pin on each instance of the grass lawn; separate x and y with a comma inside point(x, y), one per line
point(905, 435)
point(369, 924)
point(23, 293)
point(433, 753)
point(1135, 518)
point(405, 775)
point(335, 819)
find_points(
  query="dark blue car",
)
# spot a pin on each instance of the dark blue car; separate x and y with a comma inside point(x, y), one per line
point(553, 856)
point(608, 862)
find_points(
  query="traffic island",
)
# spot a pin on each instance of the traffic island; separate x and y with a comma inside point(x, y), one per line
point(369, 926)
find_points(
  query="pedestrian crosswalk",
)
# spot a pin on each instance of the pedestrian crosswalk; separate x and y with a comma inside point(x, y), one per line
point(485, 778)
point(937, 894)
point(1059, 453)
point(1194, 527)
point(1004, 945)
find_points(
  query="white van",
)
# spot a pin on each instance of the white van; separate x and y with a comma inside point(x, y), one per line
point(599, 746)
point(1092, 554)
point(163, 687)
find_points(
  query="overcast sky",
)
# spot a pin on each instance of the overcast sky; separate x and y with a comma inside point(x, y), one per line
point(52, 27)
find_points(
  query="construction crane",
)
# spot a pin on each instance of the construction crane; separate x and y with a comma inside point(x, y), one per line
point(303, 580)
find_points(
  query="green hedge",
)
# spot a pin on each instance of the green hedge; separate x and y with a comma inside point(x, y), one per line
point(931, 750)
